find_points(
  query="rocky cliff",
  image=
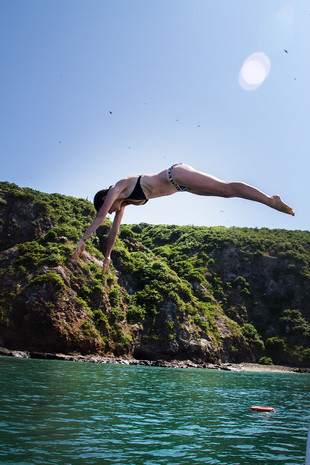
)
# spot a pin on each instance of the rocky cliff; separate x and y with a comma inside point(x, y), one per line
point(204, 294)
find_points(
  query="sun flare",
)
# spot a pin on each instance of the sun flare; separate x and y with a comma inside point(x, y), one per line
point(254, 71)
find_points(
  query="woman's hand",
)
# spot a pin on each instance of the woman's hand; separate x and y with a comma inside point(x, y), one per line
point(106, 264)
point(79, 249)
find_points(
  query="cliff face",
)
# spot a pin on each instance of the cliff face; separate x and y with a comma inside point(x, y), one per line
point(205, 294)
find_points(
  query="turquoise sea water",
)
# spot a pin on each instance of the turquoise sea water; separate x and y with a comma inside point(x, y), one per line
point(58, 412)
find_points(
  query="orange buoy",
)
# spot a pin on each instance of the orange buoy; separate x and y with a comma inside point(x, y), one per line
point(263, 409)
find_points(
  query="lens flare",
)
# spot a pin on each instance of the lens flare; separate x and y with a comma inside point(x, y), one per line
point(254, 71)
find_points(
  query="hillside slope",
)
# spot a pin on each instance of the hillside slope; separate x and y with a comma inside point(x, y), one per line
point(172, 292)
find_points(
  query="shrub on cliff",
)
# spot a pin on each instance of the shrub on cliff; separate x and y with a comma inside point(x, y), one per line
point(253, 339)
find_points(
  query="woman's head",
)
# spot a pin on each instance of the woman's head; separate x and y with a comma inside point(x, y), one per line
point(100, 198)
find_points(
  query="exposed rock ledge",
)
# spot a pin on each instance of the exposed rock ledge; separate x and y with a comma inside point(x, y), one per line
point(155, 363)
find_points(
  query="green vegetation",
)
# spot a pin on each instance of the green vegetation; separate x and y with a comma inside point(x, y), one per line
point(54, 279)
point(253, 338)
point(265, 361)
point(173, 284)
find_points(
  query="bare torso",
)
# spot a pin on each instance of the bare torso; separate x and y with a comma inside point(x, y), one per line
point(157, 185)
point(153, 185)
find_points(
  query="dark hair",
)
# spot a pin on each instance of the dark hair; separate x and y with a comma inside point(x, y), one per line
point(99, 199)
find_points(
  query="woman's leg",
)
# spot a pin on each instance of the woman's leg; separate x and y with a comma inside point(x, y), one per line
point(204, 184)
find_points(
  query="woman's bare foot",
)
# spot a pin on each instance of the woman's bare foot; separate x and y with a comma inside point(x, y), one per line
point(278, 204)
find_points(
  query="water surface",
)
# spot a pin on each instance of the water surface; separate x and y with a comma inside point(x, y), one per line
point(73, 413)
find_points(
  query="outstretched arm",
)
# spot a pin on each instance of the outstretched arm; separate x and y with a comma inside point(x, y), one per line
point(112, 238)
point(112, 195)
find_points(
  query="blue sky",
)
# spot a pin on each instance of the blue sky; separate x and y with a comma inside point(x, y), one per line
point(95, 90)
